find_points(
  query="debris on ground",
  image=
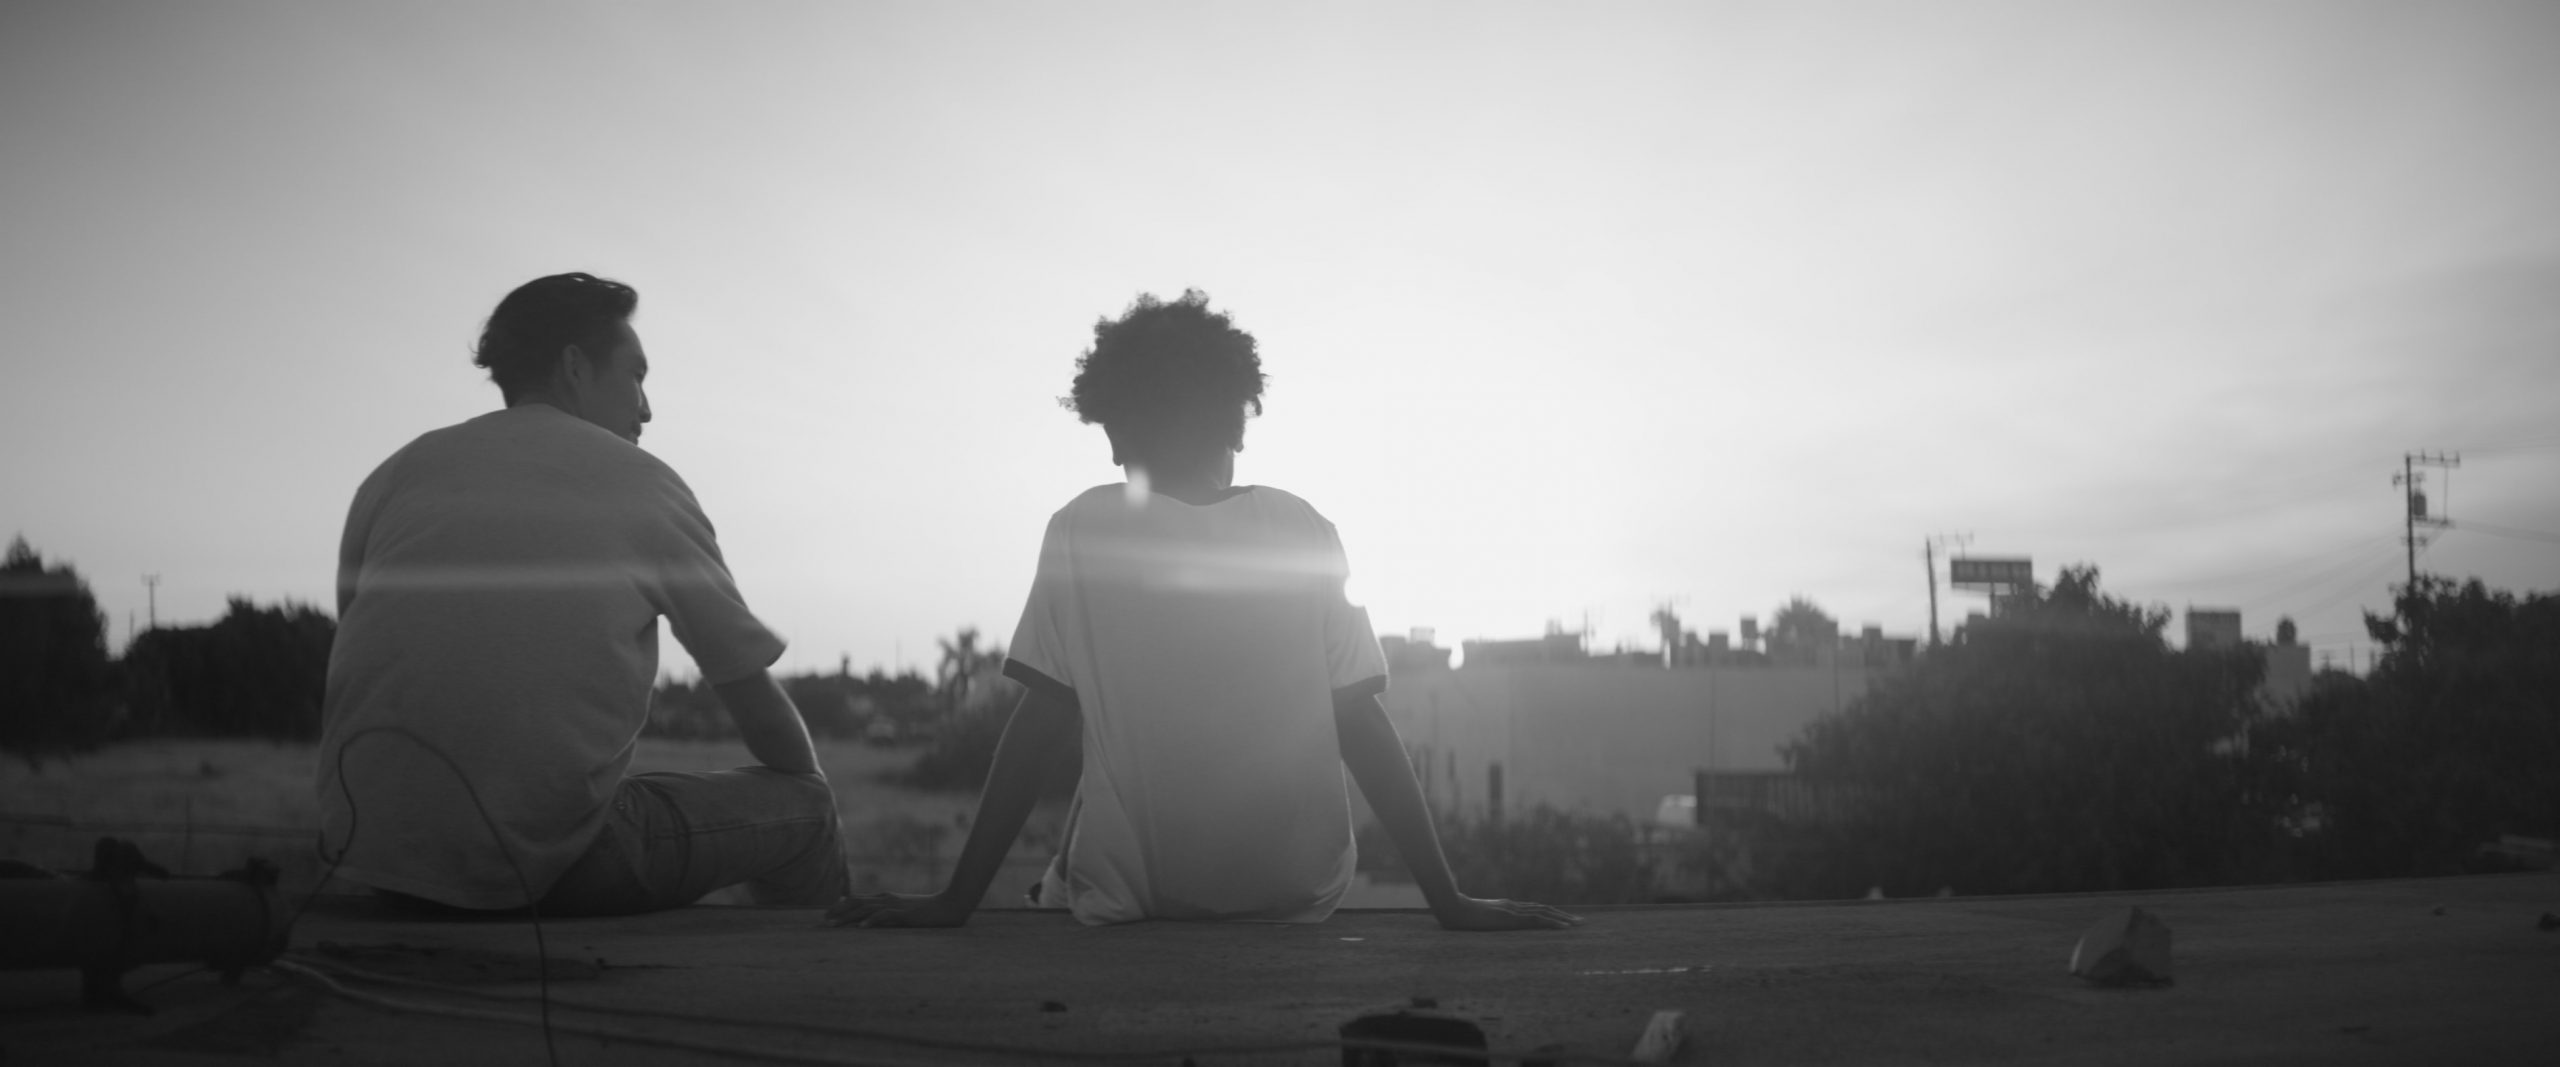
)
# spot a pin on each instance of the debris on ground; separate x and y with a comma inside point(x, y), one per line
point(1411, 1038)
point(1662, 1036)
point(2127, 947)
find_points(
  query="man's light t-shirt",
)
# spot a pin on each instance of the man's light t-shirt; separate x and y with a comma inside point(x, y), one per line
point(500, 583)
point(1205, 645)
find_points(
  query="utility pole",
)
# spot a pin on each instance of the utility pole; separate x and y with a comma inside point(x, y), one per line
point(152, 583)
point(2416, 513)
point(1929, 554)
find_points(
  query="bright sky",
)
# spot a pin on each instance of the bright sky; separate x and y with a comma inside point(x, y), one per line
point(1569, 309)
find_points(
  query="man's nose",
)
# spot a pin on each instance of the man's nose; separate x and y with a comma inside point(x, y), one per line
point(644, 407)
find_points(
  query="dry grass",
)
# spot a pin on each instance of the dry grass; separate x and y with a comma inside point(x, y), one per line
point(200, 806)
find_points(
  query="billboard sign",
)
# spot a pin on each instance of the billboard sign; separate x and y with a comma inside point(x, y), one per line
point(2011, 573)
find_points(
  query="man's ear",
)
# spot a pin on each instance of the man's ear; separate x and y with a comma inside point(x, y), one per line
point(575, 368)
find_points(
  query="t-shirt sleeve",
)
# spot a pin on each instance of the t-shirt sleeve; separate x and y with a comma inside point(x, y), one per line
point(1352, 656)
point(357, 532)
point(1038, 655)
point(694, 590)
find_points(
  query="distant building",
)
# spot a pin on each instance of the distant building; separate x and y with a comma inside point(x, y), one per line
point(1413, 653)
point(2213, 628)
point(1553, 648)
point(2288, 670)
point(1718, 650)
point(1872, 650)
point(1596, 737)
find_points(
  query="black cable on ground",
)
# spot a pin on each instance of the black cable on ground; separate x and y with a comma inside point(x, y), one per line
point(166, 979)
point(321, 969)
point(334, 988)
point(64, 822)
point(533, 910)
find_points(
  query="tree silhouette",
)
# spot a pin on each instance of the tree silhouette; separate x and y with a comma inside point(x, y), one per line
point(256, 672)
point(57, 685)
point(2449, 743)
point(1800, 633)
point(2061, 746)
point(878, 706)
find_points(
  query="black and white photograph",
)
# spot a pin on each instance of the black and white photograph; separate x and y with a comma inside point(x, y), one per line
point(1259, 532)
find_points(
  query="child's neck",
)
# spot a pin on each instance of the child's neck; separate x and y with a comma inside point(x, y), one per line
point(1192, 484)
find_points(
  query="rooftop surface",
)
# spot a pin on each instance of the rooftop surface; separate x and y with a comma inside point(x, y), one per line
point(2440, 970)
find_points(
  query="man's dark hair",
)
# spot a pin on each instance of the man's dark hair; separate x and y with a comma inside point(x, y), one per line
point(524, 337)
point(1168, 376)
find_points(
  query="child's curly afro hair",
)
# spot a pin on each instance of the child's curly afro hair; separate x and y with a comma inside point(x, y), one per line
point(1172, 375)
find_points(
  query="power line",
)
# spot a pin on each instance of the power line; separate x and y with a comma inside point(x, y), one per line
point(2528, 445)
point(2333, 484)
point(2366, 542)
point(2326, 576)
point(2333, 480)
point(2518, 533)
point(2352, 587)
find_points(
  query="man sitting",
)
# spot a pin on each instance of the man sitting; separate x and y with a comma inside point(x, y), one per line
point(499, 588)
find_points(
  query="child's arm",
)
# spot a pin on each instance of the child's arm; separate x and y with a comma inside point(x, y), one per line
point(1041, 729)
point(1376, 757)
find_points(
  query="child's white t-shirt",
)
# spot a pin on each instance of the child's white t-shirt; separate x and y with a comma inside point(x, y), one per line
point(1205, 645)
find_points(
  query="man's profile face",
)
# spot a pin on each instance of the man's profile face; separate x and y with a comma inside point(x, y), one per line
point(611, 394)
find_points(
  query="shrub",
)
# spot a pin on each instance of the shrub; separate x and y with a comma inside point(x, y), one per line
point(1542, 854)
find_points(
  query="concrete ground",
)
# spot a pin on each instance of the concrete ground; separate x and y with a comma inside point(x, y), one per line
point(2439, 971)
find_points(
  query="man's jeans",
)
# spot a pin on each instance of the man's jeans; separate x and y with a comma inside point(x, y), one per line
point(672, 837)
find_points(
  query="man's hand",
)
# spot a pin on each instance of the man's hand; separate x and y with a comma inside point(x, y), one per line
point(898, 909)
point(1477, 914)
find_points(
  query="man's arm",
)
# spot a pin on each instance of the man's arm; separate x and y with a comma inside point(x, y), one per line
point(1376, 757)
point(1042, 727)
point(769, 724)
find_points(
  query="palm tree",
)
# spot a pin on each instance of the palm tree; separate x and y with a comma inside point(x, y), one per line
point(1800, 631)
point(961, 662)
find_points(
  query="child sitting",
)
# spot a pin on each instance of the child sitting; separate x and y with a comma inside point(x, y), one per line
point(1192, 635)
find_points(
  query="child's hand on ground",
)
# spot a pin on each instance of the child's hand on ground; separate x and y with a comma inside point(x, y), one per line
point(1475, 914)
point(897, 909)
